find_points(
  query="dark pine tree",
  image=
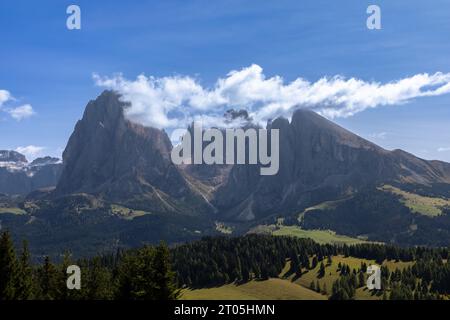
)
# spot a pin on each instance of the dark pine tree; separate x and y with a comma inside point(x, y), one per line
point(25, 287)
point(9, 270)
point(164, 276)
point(49, 281)
point(321, 273)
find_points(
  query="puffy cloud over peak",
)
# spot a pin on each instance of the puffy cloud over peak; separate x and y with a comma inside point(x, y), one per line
point(175, 101)
point(30, 152)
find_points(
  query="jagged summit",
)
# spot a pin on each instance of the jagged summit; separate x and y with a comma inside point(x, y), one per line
point(124, 162)
point(43, 161)
point(12, 156)
point(319, 161)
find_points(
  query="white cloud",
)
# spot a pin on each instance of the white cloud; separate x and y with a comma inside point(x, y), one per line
point(169, 102)
point(4, 96)
point(31, 152)
point(443, 149)
point(22, 112)
point(17, 113)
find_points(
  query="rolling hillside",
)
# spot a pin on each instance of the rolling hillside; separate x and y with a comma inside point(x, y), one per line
point(272, 289)
point(291, 287)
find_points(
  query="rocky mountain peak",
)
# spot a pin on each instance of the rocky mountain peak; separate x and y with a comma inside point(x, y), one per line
point(121, 161)
point(43, 161)
point(12, 156)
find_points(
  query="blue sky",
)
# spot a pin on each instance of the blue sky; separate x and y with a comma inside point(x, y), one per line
point(49, 67)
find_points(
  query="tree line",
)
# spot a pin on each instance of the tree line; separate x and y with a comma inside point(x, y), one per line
point(425, 280)
point(141, 274)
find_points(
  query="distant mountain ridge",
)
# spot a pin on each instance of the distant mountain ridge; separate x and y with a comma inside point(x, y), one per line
point(18, 176)
point(12, 156)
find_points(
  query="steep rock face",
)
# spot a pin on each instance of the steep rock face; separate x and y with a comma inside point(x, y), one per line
point(318, 161)
point(124, 162)
point(14, 182)
point(44, 172)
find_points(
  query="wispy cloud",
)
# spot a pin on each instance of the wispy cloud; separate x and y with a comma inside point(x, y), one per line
point(378, 135)
point(18, 113)
point(443, 149)
point(173, 101)
point(22, 112)
point(31, 152)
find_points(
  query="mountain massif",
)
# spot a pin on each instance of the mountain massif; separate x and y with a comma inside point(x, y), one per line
point(118, 186)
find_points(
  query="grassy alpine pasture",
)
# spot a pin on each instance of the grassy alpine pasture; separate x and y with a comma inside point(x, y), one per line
point(332, 274)
point(427, 206)
point(322, 206)
point(126, 213)
point(278, 289)
point(16, 211)
point(319, 236)
point(290, 287)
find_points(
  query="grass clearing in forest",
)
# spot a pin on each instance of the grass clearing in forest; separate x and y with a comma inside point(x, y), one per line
point(426, 206)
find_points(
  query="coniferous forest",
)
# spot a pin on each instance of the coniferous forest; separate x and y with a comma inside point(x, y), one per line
point(160, 273)
point(144, 274)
